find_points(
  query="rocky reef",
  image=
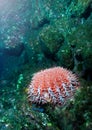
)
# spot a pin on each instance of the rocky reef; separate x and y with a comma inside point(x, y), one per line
point(58, 34)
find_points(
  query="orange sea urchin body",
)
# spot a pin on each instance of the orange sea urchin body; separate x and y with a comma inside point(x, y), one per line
point(54, 85)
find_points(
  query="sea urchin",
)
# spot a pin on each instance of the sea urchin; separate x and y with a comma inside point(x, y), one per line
point(53, 85)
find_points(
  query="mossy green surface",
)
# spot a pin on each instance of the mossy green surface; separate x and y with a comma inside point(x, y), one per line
point(81, 39)
point(65, 57)
point(52, 38)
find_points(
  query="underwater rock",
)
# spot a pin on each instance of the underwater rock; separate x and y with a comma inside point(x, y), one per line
point(64, 56)
point(87, 74)
point(41, 23)
point(79, 8)
point(81, 39)
point(2, 58)
point(14, 51)
point(87, 11)
point(47, 53)
point(52, 39)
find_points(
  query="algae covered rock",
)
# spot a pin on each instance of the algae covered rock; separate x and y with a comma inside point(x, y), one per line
point(80, 41)
point(51, 38)
point(77, 8)
point(64, 56)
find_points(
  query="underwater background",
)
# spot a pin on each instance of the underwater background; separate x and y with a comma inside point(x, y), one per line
point(40, 34)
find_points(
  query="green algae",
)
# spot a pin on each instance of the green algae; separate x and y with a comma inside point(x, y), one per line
point(52, 38)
